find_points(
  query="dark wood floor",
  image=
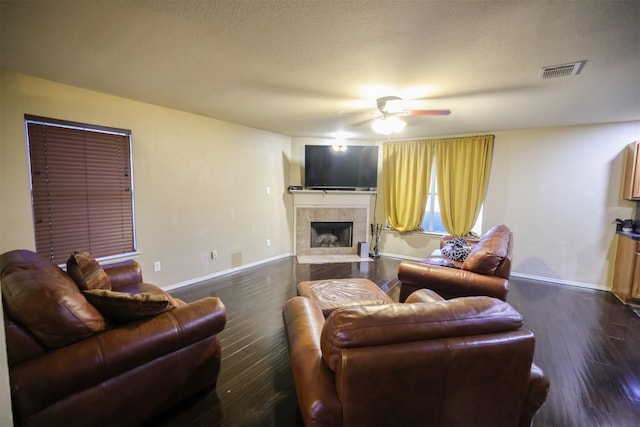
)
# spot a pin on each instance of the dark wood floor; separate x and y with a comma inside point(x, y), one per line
point(587, 342)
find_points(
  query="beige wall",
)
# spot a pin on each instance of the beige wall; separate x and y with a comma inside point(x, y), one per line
point(559, 190)
point(200, 184)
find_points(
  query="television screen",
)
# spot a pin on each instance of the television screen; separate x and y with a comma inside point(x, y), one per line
point(344, 167)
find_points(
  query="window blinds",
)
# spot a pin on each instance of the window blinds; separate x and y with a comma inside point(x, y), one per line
point(81, 189)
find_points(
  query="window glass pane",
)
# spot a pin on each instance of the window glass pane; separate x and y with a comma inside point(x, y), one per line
point(432, 221)
point(477, 228)
point(437, 220)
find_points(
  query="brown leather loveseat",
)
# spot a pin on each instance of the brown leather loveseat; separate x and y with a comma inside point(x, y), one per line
point(71, 365)
point(485, 271)
point(427, 362)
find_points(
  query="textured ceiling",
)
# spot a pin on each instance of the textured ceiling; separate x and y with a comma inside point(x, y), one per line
point(310, 68)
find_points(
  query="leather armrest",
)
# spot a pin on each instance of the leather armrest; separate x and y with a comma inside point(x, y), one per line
point(21, 345)
point(536, 396)
point(123, 273)
point(451, 281)
point(315, 383)
point(43, 380)
point(423, 295)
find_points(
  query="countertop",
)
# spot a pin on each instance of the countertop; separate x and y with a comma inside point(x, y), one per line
point(630, 234)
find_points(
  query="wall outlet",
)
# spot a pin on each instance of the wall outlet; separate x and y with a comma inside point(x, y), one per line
point(268, 190)
point(268, 242)
point(214, 254)
point(156, 266)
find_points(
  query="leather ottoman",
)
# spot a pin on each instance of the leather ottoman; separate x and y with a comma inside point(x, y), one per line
point(331, 294)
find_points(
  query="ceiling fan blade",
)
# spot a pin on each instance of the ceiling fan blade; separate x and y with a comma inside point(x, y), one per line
point(428, 112)
point(363, 122)
point(410, 108)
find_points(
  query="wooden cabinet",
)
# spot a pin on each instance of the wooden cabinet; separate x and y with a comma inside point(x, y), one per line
point(631, 187)
point(635, 289)
point(626, 274)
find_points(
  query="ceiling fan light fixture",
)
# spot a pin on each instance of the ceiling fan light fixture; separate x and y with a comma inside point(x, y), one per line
point(388, 125)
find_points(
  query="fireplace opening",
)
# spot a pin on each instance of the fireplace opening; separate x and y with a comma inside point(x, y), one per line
point(331, 234)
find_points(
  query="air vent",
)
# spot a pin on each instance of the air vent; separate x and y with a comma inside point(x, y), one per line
point(561, 70)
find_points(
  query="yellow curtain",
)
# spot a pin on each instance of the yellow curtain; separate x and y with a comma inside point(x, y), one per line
point(406, 175)
point(462, 167)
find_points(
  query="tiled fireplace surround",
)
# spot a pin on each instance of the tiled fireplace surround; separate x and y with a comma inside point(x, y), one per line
point(330, 206)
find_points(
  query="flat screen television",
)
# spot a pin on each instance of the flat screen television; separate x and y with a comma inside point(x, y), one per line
point(345, 167)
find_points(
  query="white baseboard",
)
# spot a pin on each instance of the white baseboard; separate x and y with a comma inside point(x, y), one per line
point(223, 272)
point(410, 258)
point(561, 282)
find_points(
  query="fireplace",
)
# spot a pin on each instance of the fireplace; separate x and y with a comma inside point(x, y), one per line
point(330, 234)
point(340, 220)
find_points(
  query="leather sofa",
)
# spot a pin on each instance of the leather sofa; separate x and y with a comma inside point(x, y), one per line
point(484, 272)
point(71, 365)
point(427, 362)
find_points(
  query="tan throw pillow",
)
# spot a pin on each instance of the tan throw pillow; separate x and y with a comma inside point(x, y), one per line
point(86, 272)
point(121, 306)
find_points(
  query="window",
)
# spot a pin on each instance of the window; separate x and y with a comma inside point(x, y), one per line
point(81, 188)
point(461, 164)
point(432, 222)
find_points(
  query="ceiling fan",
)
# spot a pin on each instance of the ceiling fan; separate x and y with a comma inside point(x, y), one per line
point(392, 108)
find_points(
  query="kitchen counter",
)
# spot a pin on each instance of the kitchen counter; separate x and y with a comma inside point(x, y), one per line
point(630, 234)
point(626, 272)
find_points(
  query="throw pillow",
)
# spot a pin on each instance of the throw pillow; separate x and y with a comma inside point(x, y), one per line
point(456, 249)
point(121, 306)
point(86, 272)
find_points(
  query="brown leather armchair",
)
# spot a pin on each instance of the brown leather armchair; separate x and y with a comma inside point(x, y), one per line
point(485, 271)
point(429, 361)
point(70, 365)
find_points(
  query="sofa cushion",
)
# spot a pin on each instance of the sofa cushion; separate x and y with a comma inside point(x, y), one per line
point(399, 323)
point(485, 256)
point(45, 300)
point(86, 272)
point(441, 261)
point(121, 306)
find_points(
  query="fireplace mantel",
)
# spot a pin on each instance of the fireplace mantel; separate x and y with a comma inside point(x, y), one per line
point(320, 205)
point(331, 198)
